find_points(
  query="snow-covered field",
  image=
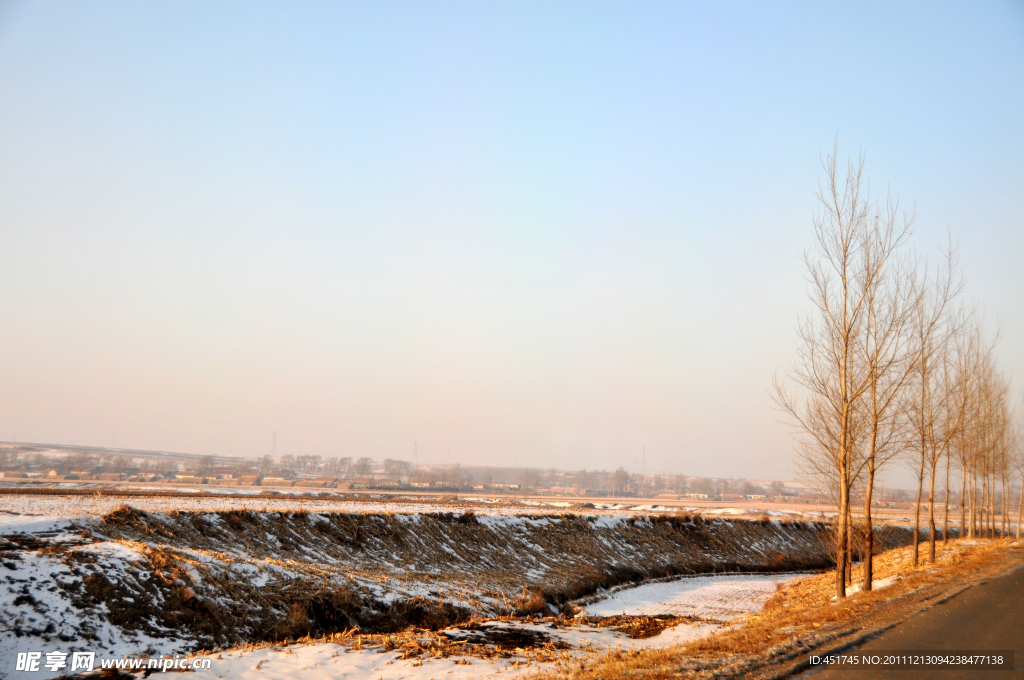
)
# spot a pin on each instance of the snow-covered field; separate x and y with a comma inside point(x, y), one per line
point(98, 505)
point(79, 505)
point(721, 597)
point(102, 499)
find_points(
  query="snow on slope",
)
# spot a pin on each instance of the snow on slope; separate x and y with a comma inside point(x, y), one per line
point(42, 606)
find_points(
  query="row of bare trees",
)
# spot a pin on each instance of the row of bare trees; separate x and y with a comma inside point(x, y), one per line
point(893, 366)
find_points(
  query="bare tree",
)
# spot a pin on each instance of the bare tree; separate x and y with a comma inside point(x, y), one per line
point(854, 243)
point(888, 358)
point(932, 333)
point(953, 387)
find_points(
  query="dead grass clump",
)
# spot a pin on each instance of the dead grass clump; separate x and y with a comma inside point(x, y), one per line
point(530, 601)
point(239, 520)
point(123, 515)
point(642, 627)
point(417, 612)
point(321, 612)
point(687, 515)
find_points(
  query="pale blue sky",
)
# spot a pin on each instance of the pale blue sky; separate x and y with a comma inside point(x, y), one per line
point(514, 233)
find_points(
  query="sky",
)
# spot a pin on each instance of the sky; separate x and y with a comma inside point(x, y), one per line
point(541, 234)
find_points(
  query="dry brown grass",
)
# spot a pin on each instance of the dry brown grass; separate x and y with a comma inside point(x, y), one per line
point(799, 617)
point(480, 568)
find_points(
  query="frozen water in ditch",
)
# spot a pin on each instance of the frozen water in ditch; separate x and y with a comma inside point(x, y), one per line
point(722, 597)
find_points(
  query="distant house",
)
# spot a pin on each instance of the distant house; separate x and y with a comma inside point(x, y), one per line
point(420, 483)
point(755, 496)
point(702, 496)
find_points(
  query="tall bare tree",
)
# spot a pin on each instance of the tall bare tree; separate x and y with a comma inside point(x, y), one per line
point(932, 333)
point(951, 397)
point(854, 244)
point(887, 357)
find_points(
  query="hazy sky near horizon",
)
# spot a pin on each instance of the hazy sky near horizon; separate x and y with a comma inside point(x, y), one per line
point(534, 234)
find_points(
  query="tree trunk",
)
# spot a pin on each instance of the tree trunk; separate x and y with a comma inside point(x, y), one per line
point(1020, 506)
point(931, 513)
point(841, 546)
point(983, 506)
point(945, 511)
point(972, 492)
point(963, 499)
point(995, 530)
point(850, 544)
point(869, 534)
point(917, 508)
point(1003, 508)
point(975, 508)
point(991, 505)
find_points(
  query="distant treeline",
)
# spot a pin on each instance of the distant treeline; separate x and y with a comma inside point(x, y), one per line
point(29, 462)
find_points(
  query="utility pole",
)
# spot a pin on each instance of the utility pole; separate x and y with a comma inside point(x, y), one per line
point(273, 445)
